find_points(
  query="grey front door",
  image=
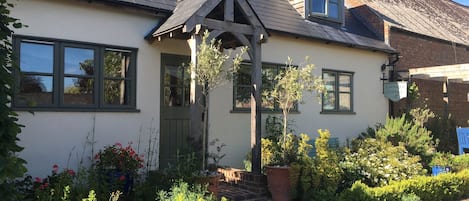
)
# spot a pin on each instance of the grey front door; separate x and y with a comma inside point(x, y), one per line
point(175, 107)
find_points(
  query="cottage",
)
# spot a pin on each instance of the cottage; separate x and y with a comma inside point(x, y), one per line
point(99, 72)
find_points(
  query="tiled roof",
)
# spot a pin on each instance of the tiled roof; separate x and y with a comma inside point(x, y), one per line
point(279, 15)
point(183, 11)
point(442, 19)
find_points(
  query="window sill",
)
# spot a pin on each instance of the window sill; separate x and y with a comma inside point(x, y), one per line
point(235, 111)
point(338, 112)
point(123, 110)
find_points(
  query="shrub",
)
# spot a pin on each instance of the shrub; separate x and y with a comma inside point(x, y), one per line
point(442, 187)
point(320, 176)
point(460, 162)
point(416, 138)
point(376, 163)
point(181, 191)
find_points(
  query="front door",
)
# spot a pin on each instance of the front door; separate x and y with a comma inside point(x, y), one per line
point(175, 107)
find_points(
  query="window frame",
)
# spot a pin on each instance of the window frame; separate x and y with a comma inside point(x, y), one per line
point(276, 109)
point(337, 92)
point(325, 15)
point(58, 76)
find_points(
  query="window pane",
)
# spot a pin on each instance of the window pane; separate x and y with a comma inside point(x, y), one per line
point(116, 64)
point(243, 97)
point(243, 76)
point(173, 76)
point(318, 6)
point(345, 83)
point(173, 96)
point(333, 10)
point(344, 101)
point(187, 96)
point(78, 61)
point(328, 102)
point(329, 81)
point(116, 92)
point(78, 90)
point(36, 57)
point(35, 90)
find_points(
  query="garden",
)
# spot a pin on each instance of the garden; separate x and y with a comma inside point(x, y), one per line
point(392, 161)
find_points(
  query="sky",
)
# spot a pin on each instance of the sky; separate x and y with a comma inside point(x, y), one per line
point(463, 2)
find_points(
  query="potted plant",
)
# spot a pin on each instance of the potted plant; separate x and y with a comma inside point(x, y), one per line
point(118, 165)
point(288, 90)
point(211, 176)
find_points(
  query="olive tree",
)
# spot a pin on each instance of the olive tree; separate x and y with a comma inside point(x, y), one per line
point(289, 89)
point(212, 70)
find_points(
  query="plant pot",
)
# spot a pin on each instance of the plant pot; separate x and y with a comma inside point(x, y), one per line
point(278, 182)
point(116, 179)
point(436, 170)
point(211, 181)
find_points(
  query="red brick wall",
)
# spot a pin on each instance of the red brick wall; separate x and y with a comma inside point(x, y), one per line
point(419, 51)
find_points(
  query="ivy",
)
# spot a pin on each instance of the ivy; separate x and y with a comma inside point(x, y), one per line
point(11, 166)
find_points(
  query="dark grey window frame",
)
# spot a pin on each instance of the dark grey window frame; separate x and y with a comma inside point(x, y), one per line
point(337, 109)
point(325, 16)
point(58, 76)
point(265, 110)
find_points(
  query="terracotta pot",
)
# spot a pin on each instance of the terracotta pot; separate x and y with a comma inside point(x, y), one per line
point(213, 182)
point(278, 182)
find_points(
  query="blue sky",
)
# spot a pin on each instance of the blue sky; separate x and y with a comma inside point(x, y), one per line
point(464, 2)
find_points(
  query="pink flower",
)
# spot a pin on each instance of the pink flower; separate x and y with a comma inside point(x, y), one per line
point(38, 180)
point(46, 185)
point(118, 144)
point(122, 178)
point(71, 173)
point(96, 157)
point(55, 169)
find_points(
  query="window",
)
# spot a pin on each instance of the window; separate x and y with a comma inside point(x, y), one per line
point(76, 76)
point(339, 96)
point(329, 9)
point(242, 87)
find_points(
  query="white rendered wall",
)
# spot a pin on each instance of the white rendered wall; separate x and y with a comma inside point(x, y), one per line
point(50, 137)
point(369, 103)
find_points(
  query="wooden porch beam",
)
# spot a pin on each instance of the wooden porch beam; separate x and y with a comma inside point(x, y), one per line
point(256, 80)
point(229, 26)
point(195, 97)
point(229, 10)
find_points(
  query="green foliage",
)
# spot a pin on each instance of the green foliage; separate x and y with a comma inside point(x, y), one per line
point(56, 186)
point(294, 149)
point(444, 129)
point(438, 188)
point(288, 90)
point(410, 197)
point(181, 191)
point(376, 163)
point(11, 166)
point(460, 162)
point(442, 159)
point(321, 176)
point(416, 139)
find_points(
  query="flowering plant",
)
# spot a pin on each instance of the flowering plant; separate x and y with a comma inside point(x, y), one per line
point(120, 158)
point(55, 186)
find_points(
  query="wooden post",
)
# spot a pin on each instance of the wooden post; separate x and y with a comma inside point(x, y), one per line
point(256, 80)
point(195, 96)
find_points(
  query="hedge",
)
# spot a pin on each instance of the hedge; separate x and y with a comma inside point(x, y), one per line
point(444, 187)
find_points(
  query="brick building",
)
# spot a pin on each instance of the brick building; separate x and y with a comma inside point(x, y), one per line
point(427, 34)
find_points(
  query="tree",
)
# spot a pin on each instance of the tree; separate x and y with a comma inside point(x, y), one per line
point(289, 88)
point(11, 166)
point(212, 71)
